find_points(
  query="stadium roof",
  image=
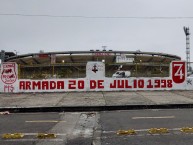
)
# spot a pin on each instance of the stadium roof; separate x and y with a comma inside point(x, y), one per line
point(84, 56)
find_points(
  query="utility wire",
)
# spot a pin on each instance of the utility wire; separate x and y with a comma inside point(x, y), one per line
point(92, 17)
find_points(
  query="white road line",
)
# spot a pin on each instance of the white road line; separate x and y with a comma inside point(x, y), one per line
point(32, 134)
point(143, 130)
point(35, 113)
point(159, 117)
point(19, 140)
point(44, 121)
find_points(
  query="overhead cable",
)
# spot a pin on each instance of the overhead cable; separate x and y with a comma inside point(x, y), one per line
point(95, 17)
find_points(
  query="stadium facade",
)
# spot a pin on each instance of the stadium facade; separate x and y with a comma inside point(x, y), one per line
point(72, 64)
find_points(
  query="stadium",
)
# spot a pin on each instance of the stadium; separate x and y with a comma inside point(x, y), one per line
point(72, 64)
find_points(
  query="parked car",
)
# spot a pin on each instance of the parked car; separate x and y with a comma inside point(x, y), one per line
point(122, 74)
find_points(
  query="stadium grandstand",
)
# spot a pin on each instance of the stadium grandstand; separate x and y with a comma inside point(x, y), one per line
point(72, 64)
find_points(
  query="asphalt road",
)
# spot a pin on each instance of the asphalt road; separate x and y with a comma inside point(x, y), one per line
point(142, 121)
point(99, 128)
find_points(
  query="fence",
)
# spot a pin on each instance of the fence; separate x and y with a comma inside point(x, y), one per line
point(77, 70)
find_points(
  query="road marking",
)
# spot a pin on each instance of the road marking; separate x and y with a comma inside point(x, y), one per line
point(39, 140)
point(142, 130)
point(44, 121)
point(160, 117)
point(33, 134)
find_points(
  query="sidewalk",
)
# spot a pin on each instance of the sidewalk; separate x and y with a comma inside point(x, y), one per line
point(94, 99)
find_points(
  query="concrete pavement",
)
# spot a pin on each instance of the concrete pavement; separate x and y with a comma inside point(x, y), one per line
point(95, 99)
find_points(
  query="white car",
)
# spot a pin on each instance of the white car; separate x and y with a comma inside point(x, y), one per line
point(122, 74)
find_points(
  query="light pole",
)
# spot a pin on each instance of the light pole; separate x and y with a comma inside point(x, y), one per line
point(187, 33)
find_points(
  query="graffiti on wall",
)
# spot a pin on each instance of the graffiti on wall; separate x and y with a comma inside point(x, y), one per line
point(8, 76)
point(96, 81)
point(178, 72)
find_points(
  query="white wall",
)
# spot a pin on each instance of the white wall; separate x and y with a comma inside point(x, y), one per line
point(96, 81)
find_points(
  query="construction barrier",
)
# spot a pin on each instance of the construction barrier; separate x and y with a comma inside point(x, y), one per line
point(158, 130)
point(46, 136)
point(13, 136)
point(127, 132)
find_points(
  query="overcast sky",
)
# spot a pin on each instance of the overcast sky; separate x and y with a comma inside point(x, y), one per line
point(89, 24)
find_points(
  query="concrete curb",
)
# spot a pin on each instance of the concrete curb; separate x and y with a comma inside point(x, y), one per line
point(93, 108)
